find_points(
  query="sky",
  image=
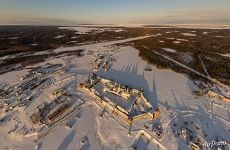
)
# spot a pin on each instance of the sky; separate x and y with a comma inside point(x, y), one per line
point(72, 12)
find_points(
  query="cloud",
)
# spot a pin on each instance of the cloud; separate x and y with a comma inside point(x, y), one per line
point(196, 16)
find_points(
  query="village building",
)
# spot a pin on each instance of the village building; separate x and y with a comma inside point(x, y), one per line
point(54, 116)
point(212, 94)
point(127, 102)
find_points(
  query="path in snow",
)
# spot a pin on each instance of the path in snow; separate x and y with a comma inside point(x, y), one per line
point(204, 67)
point(103, 44)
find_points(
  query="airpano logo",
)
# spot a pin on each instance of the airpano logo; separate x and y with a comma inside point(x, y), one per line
point(214, 143)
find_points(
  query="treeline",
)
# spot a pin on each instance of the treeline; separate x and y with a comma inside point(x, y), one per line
point(21, 39)
point(217, 66)
point(162, 63)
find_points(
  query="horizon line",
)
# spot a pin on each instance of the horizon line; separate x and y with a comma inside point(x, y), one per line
point(124, 25)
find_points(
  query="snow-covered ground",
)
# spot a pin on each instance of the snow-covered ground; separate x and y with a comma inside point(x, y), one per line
point(59, 36)
point(96, 128)
point(176, 42)
point(88, 29)
point(226, 55)
point(13, 38)
point(188, 34)
point(80, 30)
point(169, 50)
point(184, 40)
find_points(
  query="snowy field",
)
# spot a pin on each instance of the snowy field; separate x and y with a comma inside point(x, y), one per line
point(86, 30)
point(167, 90)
